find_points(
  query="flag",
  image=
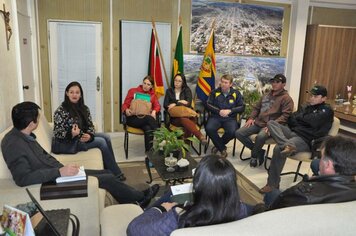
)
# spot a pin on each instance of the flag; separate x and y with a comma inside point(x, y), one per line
point(154, 67)
point(178, 65)
point(206, 80)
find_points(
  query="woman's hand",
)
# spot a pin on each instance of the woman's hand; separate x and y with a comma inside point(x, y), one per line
point(184, 102)
point(128, 112)
point(153, 114)
point(168, 205)
point(85, 138)
point(171, 105)
point(69, 170)
point(75, 130)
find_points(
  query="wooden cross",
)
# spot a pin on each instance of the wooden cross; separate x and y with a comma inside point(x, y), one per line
point(8, 29)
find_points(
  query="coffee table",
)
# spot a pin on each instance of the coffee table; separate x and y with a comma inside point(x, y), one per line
point(169, 177)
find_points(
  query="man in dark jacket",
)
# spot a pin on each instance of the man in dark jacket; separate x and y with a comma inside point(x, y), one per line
point(30, 164)
point(224, 103)
point(276, 105)
point(336, 182)
point(310, 122)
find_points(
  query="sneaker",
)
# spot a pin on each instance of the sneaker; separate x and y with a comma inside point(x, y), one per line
point(223, 154)
point(288, 151)
point(148, 195)
point(253, 162)
point(214, 150)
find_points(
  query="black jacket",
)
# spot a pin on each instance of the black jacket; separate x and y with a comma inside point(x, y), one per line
point(317, 190)
point(170, 97)
point(312, 121)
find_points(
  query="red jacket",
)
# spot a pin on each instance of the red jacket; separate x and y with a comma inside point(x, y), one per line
point(130, 95)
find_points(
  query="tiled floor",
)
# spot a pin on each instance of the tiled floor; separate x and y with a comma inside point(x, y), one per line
point(257, 176)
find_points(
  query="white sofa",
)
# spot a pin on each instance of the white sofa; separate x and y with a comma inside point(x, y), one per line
point(87, 209)
point(320, 219)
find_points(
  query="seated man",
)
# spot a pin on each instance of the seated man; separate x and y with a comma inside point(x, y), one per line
point(30, 164)
point(224, 103)
point(336, 182)
point(310, 122)
point(276, 105)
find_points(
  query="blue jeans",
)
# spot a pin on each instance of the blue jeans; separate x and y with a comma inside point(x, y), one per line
point(230, 125)
point(103, 142)
point(270, 197)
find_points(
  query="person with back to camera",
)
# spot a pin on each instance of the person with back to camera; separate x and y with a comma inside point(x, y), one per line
point(224, 103)
point(220, 204)
point(147, 123)
point(72, 122)
point(336, 183)
point(30, 164)
point(276, 105)
point(181, 95)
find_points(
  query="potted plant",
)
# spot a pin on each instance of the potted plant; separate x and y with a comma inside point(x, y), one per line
point(170, 141)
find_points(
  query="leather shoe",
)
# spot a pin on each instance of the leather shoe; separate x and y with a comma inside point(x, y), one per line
point(253, 162)
point(214, 150)
point(148, 195)
point(121, 177)
point(289, 151)
point(265, 189)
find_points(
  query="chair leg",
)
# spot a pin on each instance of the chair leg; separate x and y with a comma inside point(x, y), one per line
point(197, 152)
point(207, 145)
point(233, 150)
point(295, 173)
point(242, 151)
point(126, 144)
point(267, 157)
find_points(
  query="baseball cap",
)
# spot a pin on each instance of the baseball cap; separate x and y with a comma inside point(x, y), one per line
point(279, 78)
point(318, 90)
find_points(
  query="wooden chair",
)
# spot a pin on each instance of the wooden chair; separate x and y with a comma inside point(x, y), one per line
point(308, 156)
point(132, 130)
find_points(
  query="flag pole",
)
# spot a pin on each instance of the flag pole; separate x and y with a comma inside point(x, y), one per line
point(160, 52)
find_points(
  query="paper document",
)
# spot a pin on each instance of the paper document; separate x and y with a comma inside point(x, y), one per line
point(182, 194)
point(182, 188)
point(80, 176)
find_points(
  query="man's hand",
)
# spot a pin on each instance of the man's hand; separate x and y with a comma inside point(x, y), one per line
point(85, 138)
point(75, 130)
point(249, 122)
point(225, 112)
point(69, 170)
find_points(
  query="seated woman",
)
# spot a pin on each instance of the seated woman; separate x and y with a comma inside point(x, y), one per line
point(73, 122)
point(147, 123)
point(181, 95)
point(216, 205)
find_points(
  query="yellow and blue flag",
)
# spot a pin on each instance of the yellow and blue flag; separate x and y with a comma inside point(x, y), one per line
point(206, 80)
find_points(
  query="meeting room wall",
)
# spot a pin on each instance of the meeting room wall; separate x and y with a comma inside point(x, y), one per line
point(136, 10)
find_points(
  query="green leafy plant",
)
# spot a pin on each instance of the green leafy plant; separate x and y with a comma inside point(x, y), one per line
point(170, 141)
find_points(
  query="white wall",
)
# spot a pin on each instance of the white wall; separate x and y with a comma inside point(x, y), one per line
point(9, 85)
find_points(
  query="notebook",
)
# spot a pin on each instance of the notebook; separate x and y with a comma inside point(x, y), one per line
point(143, 96)
point(54, 222)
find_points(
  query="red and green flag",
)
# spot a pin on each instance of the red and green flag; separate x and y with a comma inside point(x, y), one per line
point(154, 67)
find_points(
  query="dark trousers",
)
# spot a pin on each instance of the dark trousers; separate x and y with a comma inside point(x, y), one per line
point(229, 124)
point(122, 192)
point(147, 124)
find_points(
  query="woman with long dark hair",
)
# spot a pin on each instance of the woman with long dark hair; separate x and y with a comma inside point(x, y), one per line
point(147, 123)
point(215, 200)
point(73, 123)
point(181, 95)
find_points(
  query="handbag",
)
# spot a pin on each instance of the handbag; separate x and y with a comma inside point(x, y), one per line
point(182, 111)
point(140, 107)
point(61, 146)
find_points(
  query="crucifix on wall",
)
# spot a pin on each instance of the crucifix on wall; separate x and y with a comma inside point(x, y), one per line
point(8, 29)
